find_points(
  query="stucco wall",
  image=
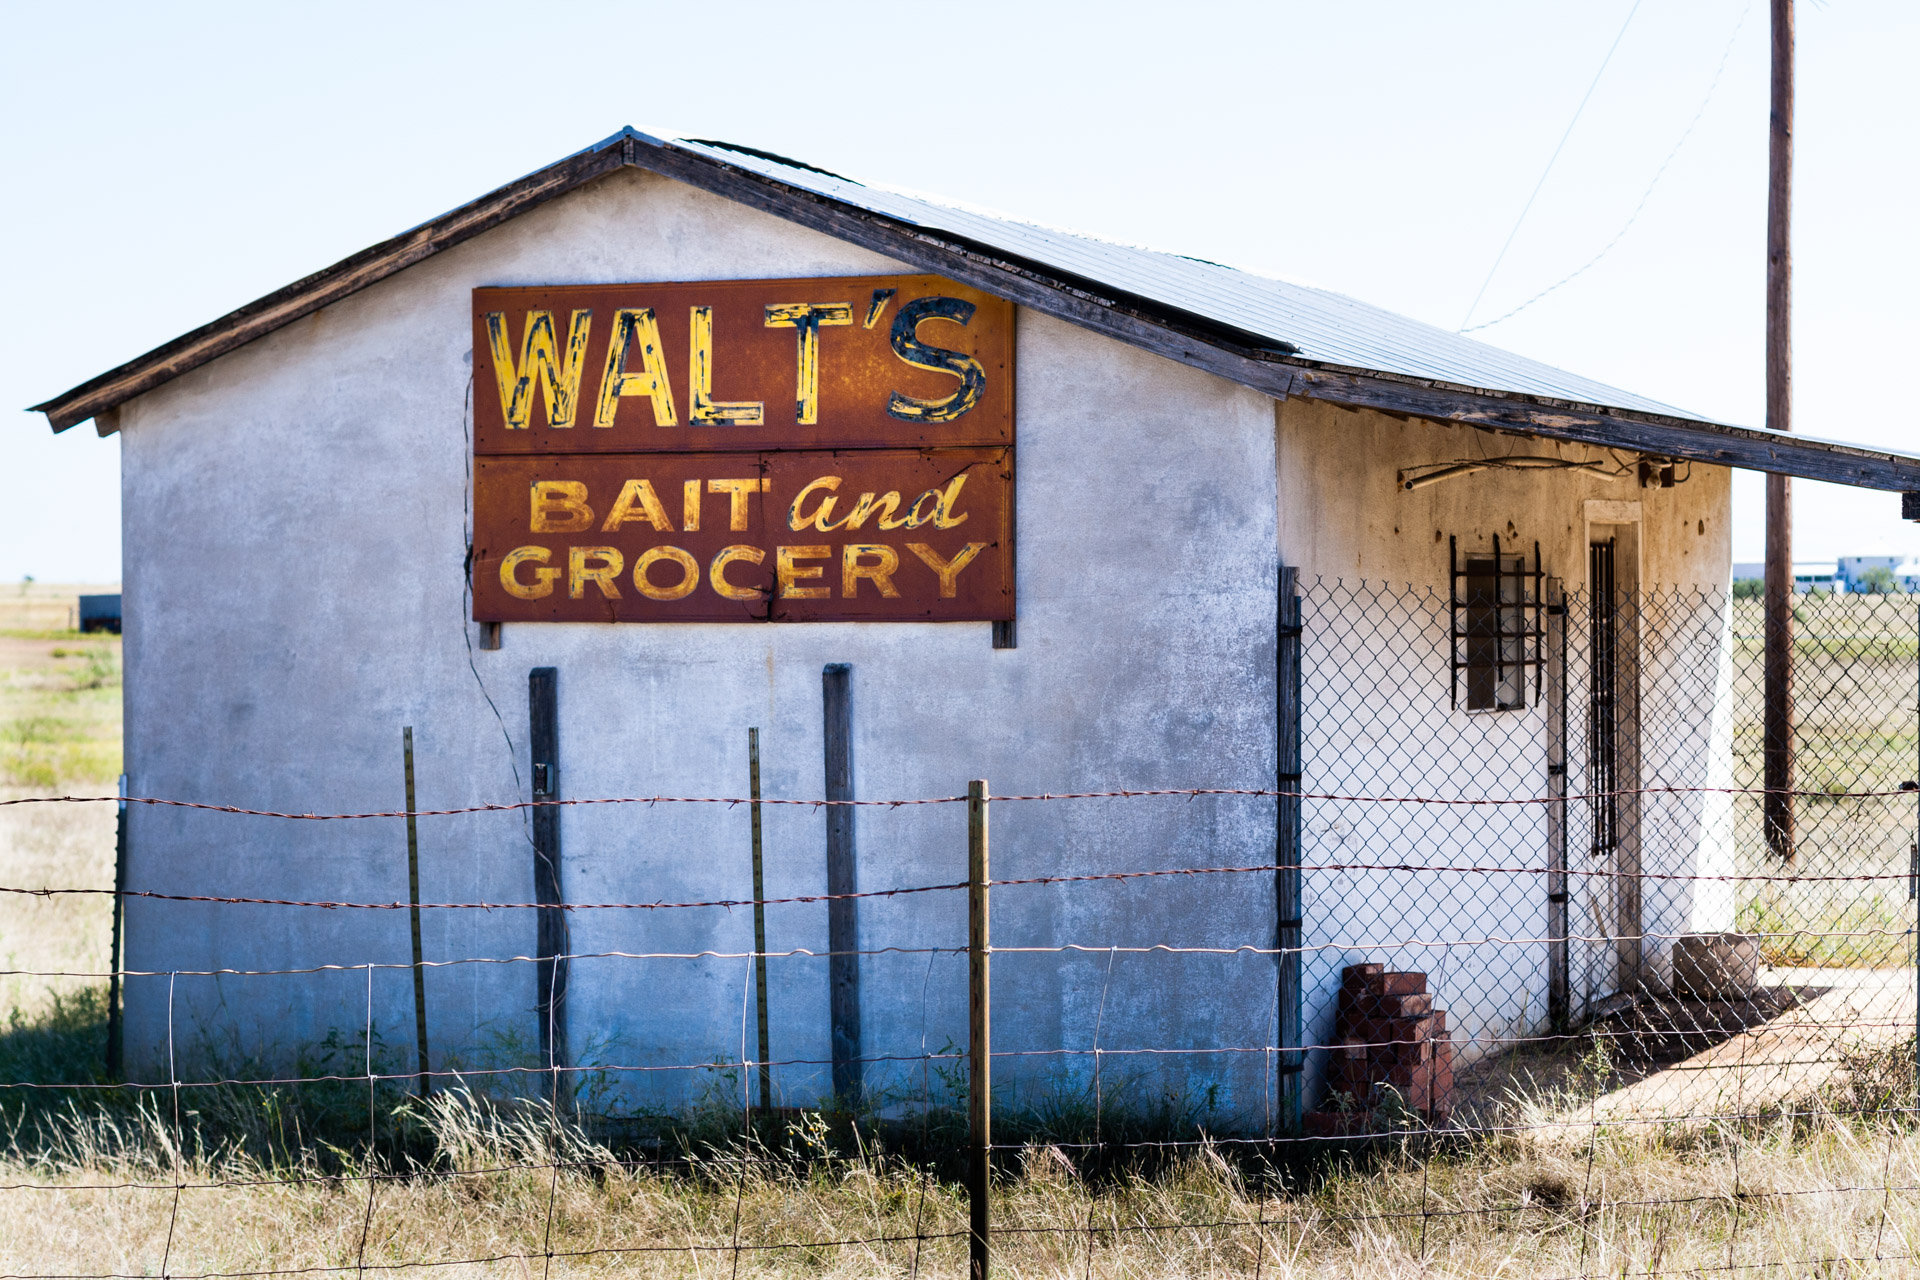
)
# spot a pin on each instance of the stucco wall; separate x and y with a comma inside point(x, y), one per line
point(295, 533)
point(1374, 561)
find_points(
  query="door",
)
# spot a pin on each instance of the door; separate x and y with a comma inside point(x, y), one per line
point(1613, 740)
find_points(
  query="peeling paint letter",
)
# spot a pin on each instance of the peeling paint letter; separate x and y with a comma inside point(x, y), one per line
point(560, 506)
point(791, 574)
point(852, 568)
point(716, 573)
point(818, 517)
point(542, 584)
point(638, 504)
point(599, 565)
point(633, 325)
point(948, 570)
point(539, 360)
point(705, 410)
point(808, 318)
point(907, 345)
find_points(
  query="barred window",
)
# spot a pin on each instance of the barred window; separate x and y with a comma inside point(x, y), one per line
point(1497, 630)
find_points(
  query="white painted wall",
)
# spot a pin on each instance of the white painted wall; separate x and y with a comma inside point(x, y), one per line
point(295, 530)
point(296, 527)
point(1374, 562)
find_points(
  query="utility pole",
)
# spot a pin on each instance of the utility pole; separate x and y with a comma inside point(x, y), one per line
point(1777, 746)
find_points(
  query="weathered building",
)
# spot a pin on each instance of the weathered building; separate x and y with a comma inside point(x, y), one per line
point(335, 528)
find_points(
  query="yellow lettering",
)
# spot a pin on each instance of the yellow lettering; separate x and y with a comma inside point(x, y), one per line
point(881, 574)
point(864, 509)
point(637, 503)
point(818, 518)
point(737, 492)
point(560, 506)
point(947, 569)
point(943, 517)
point(705, 410)
point(690, 506)
point(940, 517)
point(807, 318)
point(542, 584)
point(790, 574)
point(601, 575)
point(689, 570)
point(717, 576)
point(540, 367)
point(630, 325)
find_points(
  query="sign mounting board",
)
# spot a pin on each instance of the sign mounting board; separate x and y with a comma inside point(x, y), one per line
point(832, 449)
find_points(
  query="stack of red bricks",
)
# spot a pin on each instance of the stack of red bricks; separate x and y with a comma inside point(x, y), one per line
point(1387, 1036)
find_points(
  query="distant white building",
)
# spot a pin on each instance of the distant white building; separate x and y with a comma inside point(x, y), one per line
point(1905, 571)
point(1812, 575)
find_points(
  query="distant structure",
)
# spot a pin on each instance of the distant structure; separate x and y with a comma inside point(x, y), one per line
point(1860, 575)
point(100, 613)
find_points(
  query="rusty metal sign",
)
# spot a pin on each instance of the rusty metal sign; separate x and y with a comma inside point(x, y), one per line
point(743, 451)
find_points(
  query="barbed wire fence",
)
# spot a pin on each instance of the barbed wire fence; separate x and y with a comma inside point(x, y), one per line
point(1481, 958)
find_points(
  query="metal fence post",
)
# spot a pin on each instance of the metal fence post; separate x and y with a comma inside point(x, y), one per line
point(413, 913)
point(1559, 1000)
point(759, 920)
point(979, 1037)
point(116, 1053)
point(550, 963)
point(1286, 851)
point(843, 911)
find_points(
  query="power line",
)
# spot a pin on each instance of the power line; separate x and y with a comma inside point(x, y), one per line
point(1501, 257)
point(1645, 195)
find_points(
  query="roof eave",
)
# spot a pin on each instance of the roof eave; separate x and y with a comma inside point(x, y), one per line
point(1249, 359)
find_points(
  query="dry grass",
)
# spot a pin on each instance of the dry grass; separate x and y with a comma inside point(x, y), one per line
point(1615, 1201)
point(104, 1182)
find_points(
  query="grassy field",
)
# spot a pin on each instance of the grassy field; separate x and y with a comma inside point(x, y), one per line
point(59, 734)
point(244, 1179)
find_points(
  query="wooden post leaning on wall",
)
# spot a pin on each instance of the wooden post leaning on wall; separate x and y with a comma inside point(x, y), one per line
point(979, 1036)
point(1559, 990)
point(1286, 855)
point(759, 920)
point(843, 914)
point(1777, 745)
point(116, 1050)
point(413, 917)
point(550, 965)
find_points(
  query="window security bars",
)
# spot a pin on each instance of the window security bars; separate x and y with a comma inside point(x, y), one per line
point(1497, 628)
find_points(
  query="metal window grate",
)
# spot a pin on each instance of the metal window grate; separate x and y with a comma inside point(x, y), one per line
point(1497, 627)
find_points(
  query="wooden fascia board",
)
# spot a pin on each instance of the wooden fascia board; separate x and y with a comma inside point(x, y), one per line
point(1725, 446)
point(307, 295)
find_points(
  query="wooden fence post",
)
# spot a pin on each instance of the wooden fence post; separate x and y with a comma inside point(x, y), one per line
point(759, 919)
point(413, 913)
point(843, 914)
point(550, 964)
point(116, 1050)
point(979, 1034)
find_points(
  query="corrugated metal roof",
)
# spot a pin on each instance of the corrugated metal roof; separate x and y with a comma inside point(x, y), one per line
point(1322, 326)
point(1282, 339)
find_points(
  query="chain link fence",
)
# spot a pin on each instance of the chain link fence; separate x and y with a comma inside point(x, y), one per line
point(1699, 968)
point(1559, 1003)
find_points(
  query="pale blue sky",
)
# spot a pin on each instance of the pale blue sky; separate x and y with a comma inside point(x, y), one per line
point(171, 162)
